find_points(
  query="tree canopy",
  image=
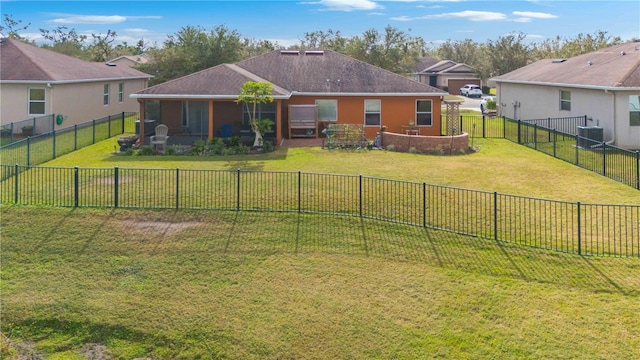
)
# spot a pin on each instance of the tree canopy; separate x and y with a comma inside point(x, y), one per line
point(194, 48)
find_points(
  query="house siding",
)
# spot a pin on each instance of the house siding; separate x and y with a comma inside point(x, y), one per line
point(606, 109)
point(77, 102)
point(396, 111)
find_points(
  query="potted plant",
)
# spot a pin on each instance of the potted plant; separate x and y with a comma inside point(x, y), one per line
point(27, 130)
point(411, 123)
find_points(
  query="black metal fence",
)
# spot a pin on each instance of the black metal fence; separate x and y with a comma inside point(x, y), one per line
point(560, 141)
point(585, 229)
point(28, 127)
point(45, 146)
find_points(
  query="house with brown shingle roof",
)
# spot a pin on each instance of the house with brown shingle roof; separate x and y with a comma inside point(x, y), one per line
point(604, 85)
point(323, 86)
point(445, 74)
point(36, 81)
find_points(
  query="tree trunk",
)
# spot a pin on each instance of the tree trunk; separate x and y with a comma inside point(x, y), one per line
point(258, 142)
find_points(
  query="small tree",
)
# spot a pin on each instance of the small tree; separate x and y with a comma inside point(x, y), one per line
point(251, 95)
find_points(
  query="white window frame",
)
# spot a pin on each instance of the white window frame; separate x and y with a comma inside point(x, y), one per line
point(417, 122)
point(634, 110)
point(333, 101)
point(121, 92)
point(379, 112)
point(32, 101)
point(565, 103)
point(105, 95)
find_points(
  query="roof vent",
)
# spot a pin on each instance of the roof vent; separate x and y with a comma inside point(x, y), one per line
point(589, 63)
point(623, 53)
point(314, 52)
point(289, 52)
point(558, 61)
point(110, 64)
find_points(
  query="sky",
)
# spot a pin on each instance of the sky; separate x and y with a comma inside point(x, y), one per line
point(285, 22)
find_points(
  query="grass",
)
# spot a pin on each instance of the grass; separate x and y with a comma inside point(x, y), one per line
point(500, 166)
point(185, 285)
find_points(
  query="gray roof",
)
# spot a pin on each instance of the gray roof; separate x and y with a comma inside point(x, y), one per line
point(22, 62)
point(613, 67)
point(291, 72)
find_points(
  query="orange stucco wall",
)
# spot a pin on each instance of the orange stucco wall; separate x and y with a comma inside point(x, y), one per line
point(395, 111)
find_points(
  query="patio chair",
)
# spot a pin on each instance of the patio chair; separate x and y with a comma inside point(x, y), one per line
point(160, 138)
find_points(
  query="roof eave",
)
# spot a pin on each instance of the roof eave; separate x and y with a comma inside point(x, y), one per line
point(197, 96)
point(300, 93)
point(577, 86)
point(61, 82)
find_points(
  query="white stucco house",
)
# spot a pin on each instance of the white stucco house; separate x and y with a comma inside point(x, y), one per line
point(603, 85)
point(36, 82)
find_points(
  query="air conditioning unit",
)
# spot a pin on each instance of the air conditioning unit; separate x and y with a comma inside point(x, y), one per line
point(590, 136)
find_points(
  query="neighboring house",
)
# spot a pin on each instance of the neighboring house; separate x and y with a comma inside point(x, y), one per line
point(36, 81)
point(445, 74)
point(603, 85)
point(129, 60)
point(317, 87)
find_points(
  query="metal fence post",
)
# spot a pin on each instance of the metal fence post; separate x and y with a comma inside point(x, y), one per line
point(495, 215)
point(28, 150)
point(16, 186)
point(535, 136)
point(555, 140)
point(637, 169)
point(360, 194)
point(93, 139)
point(238, 191)
point(424, 204)
point(577, 149)
point(177, 188)
point(116, 183)
point(579, 230)
point(76, 187)
point(109, 129)
point(519, 122)
point(484, 134)
point(459, 127)
point(54, 143)
point(299, 190)
point(604, 159)
point(123, 122)
point(75, 137)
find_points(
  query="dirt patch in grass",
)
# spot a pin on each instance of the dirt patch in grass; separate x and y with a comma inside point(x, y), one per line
point(165, 228)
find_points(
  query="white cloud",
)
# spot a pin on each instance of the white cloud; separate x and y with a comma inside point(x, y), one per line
point(346, 5)
point(534, 15)
point(467, 14)
point(66, 19)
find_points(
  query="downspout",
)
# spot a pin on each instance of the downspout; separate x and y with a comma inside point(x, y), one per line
point(613, 116)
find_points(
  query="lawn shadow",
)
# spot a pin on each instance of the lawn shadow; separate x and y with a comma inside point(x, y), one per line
point(399, 242)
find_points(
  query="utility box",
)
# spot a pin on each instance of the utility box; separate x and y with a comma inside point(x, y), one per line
point(590, 136)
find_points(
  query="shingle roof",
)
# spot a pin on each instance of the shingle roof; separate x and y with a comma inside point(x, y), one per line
point(294, 72)
point(25, 62)
point(613, 67)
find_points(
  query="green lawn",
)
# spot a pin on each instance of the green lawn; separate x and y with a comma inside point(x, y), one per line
point(212, 285)
point(500, 166)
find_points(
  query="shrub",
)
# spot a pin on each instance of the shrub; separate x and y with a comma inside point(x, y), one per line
point(486, 90)
point(413, 150)
point(171, 150)
point(198, 148)
point(391, 147)
point(146, 150)
point(268, 146)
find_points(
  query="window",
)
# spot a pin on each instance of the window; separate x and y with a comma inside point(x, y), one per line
point(327, 110)
point(372, 112)
point(634, 110)
point(423, 113)
point(565, 100)
point(36, 102)
point(263, 111)
point(120, 92)
point(106, 94)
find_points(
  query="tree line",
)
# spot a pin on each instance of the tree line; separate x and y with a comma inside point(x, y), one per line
point(193, 48)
